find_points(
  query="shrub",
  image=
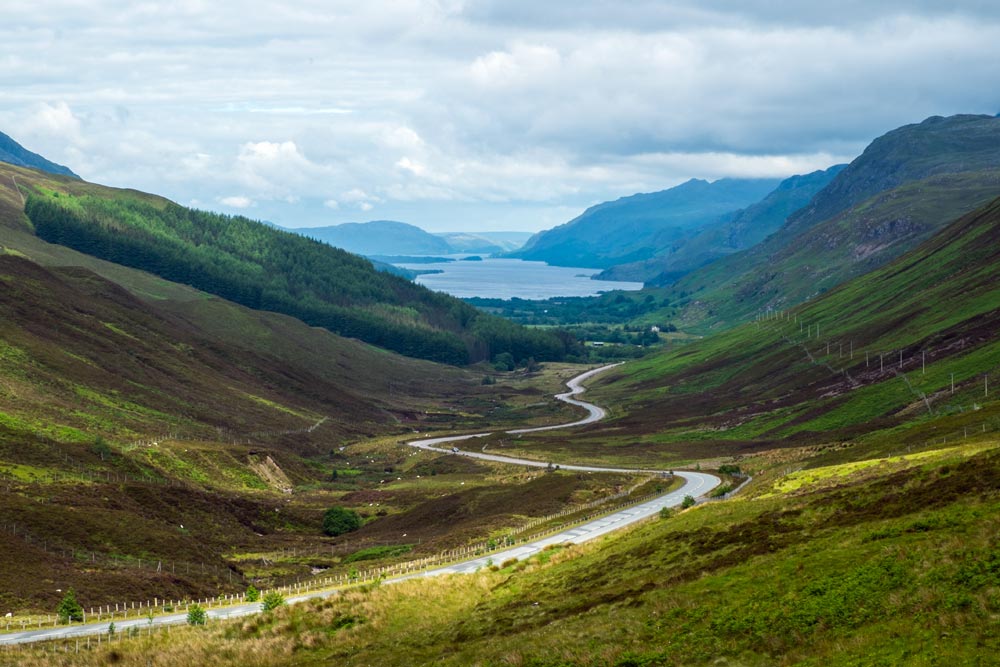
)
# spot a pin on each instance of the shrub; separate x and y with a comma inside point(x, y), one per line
point(666, 512)
point(69, 609)
point(197, 615)
point(272, 600)
point(687, 502)
point(253, 595)
point(340, 520)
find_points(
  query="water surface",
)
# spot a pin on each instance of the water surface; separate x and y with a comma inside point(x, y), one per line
point(508, 278)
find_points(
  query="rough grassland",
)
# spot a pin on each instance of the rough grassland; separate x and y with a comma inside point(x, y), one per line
point(901, 568)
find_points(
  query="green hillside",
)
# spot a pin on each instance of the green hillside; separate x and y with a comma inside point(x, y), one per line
point(905, 187)
point(263, 268)
point(879, 352)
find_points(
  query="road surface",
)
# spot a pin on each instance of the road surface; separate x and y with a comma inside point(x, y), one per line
point(696, 484)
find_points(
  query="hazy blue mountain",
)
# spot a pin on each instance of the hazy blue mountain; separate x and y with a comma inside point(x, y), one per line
point(379, 237)
point(485, 243)
point(636, 228)
point(746, 228)
point(14, 153)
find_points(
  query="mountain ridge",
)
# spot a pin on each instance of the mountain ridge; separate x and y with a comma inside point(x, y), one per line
point(14, 153)
point(634, 228)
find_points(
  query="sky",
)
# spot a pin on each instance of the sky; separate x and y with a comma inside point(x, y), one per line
point(465, 115)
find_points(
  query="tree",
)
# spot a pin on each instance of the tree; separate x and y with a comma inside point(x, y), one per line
point(196, 615)
point(687, 502)
point(272, 600)
point(503, 361)
point(69, 610)
point(340, 520)
point(101, 448)
point(252, 594)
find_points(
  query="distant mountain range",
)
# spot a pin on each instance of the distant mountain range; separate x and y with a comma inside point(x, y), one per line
point(637, 228)
point(733, 233)
point(14, 153)
point(388, 238)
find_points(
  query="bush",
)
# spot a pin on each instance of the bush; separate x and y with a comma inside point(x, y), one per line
point(340, 520)
point(687, 502)
point(253, 595)
point(666, 512)
point(272, 600)
point(503, 361)
point(197, 615)
point(69, 609)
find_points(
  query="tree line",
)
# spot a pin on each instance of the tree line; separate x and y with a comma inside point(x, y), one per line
point(264, 268)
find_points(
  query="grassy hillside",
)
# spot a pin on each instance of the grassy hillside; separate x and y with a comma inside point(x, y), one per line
point(906, 185)
point(830, 253)
point(260, 267)
point(894, 564)
point(165, 425)
point(828, 371)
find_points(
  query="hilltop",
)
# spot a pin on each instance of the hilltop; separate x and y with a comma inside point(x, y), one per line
point(379, 237)
point(635, 228)
point(745, 229)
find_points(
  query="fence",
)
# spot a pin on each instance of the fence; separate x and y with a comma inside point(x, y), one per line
point(299, 585)
point(896, 362)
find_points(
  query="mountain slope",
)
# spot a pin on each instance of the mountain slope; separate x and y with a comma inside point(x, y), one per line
point(265, 268)
point(379, 237)
point(638, 227)
point(880, 351)
point(747, 228)
point(904, 187)
point(14, 153)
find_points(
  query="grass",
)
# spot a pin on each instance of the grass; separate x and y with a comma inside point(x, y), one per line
point(827, 574)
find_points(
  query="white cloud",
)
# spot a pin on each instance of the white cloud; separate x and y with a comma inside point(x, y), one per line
point(236, 201)
point(458, 111)
point(365, 206)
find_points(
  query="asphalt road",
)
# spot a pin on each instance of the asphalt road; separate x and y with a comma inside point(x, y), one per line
point(696, 484)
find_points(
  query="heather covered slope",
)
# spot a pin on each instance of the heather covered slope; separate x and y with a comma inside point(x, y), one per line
point(907, 185)
point(261, 267)
point(878, 352)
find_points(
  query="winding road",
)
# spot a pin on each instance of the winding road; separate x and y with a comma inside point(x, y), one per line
point(696, 484)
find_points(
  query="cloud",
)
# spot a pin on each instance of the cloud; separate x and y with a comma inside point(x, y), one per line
point(456, 111)
point(237, 201)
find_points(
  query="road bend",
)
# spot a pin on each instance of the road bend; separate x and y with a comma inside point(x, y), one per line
point(695, 484)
